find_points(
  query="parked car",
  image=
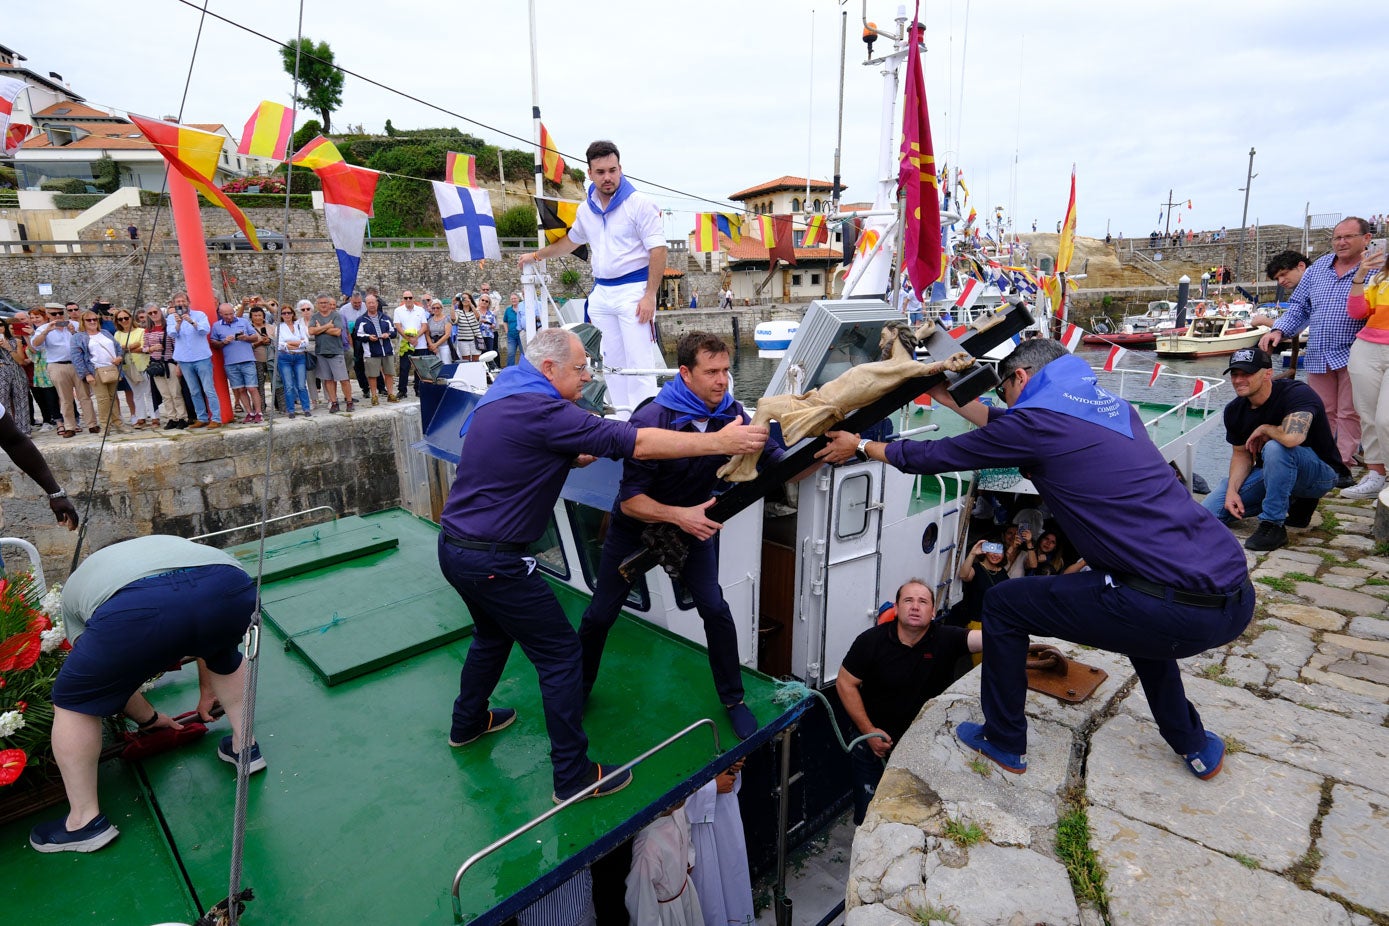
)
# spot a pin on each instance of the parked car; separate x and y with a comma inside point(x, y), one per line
point(269, 241)
point(8, 307)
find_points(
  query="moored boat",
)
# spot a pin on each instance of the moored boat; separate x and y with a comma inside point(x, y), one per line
point(1211, 337)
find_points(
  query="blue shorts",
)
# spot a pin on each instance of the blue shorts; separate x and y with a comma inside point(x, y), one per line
point(148, 626)
point(241, 375)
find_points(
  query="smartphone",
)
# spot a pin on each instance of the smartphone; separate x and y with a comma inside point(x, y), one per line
point(996, 548)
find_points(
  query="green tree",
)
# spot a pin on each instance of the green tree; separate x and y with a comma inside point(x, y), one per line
point(307, 133)
point(106, 176)
point(517, 222)
point(320, 79)
point(390, 129)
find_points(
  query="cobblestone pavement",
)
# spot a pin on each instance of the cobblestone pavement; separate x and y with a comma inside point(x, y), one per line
point(1295, 829)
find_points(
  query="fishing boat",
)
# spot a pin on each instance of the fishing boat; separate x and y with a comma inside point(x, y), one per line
point(1142, 330)
point(1211, 337)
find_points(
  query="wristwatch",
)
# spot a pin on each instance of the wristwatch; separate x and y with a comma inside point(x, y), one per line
point(61, 493)
point(862, 452)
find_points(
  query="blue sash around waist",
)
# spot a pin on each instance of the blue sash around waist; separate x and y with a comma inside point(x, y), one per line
point(636, 276)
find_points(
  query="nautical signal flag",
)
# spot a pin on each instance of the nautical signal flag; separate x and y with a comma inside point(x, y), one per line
point(916, 176)
point(468, 223)
point(1111, 362)
point(1199, 387)
point(194, 154)
point(1065, 249)
point(1071, 337)
point(460, 169)
point(866, 243)
point(706, 233)
point(14, 137)
point(347, 195)
point(318, 153)
point(10, 89)
point(764, 230)
point(556, 218)
point(551, 164)
point(969, 293)
point(267, 132)
point(1157, 370)
point(816, 233)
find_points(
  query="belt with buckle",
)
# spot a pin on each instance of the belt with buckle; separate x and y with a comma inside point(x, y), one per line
point(1179, 596)
point(500, 547)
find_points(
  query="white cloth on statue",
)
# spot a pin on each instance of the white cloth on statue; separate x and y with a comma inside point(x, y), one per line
point(627, 343)
point(721, 855)
point(659, 889)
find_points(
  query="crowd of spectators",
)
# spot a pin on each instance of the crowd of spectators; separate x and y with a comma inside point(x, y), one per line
point(125, 370)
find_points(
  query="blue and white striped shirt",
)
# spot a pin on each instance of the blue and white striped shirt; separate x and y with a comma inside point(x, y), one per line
point(1320, 299)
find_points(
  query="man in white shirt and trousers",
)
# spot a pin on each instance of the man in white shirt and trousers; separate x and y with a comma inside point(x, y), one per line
point(627, 245)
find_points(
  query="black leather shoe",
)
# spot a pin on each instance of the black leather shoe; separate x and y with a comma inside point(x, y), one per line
point(1268, 537)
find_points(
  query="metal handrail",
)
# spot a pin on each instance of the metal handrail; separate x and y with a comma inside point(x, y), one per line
point(283, 517)
point(583, 795)
point(40, 587)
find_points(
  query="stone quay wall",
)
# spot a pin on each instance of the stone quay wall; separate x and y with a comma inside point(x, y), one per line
point(192, 483)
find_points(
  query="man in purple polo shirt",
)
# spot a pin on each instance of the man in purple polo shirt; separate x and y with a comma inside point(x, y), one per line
point(1166, 580)
point(528, 421)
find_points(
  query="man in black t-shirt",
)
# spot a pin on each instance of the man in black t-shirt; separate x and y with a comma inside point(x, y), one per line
point(1283, 457)
point(891, 670)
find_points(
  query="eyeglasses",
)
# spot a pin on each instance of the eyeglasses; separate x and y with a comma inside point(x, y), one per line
point(998, 390)
point(583, 368)
point(1350, 237)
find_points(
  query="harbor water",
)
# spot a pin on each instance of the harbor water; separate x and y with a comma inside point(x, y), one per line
point(751, 375)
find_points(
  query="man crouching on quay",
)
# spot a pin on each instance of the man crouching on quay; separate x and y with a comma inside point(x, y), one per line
point(1166, 579)
point(521, 441)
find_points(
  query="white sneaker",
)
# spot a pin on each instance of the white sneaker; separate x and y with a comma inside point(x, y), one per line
point(1369, 486)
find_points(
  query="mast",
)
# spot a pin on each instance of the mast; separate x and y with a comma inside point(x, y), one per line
point(536, 270)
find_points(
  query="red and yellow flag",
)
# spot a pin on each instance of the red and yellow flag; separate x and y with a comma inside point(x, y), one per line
point(194, 154)
point(815, 232)
point(267, 132)
point(1065, 249)
point(916, 176)
point(318, 153)
point(551, 164)
point(706, 233)
point(461, 169)
point(763, 229)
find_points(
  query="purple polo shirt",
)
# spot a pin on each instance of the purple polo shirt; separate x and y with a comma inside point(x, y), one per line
point(681, 482)
point(514, 462)
point(1115, 499)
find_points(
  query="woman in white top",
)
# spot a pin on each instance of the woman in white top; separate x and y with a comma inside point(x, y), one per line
point(291, 346)
point(97, 359)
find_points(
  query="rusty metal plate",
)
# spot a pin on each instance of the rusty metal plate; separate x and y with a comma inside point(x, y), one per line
point(1051, 673)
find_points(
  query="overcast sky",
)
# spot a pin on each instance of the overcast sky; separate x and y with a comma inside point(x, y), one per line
point(715, 96)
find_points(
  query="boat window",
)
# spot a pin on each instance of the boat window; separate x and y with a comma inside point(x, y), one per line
point(929, 537)
point(852, 508)
point(549, 551)
point(590, 527)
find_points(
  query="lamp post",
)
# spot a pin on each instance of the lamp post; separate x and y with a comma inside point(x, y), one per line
point(1244, 218)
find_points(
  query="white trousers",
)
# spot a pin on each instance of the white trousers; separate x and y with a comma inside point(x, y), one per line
point(627, 343)
point(1369, 380)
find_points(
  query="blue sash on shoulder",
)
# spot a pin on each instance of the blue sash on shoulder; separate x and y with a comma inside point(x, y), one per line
point(624, 190)
point(677, 397)
point(515, 380)
point(1068, 385)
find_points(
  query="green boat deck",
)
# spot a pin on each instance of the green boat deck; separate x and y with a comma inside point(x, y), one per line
point(365, 813)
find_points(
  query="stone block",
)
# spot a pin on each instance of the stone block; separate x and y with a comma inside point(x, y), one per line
point(931, 752)
point(1354, 848)
point(1331, 670)
point(876, 915)
point(1003, 885)
point(1295, 561)
point(1325, 744)
point(1369, 628)
point(1156, 878)
point(1356, 603)
point(1256, 806)
point(1283, 652)
point(1306, 615)
point(1000, 827)
point(879, 853)
point(1352, 542)
point(1350, 571)
point(1354, 644)
point(1317, 697)
point(1247, 671)
point(1350, 583)
point(901, 797)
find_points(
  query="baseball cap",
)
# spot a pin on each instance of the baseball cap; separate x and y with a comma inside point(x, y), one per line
point(1249, 360)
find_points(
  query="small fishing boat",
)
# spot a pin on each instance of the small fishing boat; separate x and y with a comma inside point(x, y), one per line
point(1211, 337)
point(1140, 330)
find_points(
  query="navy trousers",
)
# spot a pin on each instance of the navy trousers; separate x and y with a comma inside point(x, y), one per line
point(701, 577)
point(1092, 609)
point(511, 603)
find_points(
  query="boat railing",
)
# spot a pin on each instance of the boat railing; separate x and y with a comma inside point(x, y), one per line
point(35, 561)
point(283, 517)
point(558, 808)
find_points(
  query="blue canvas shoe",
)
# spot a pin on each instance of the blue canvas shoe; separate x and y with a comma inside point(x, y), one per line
point(972, 735)
point(497, 719)
point(744, 723)
point(255, 763)
point(53, 836)
point(1207, 762)
point(601, 782)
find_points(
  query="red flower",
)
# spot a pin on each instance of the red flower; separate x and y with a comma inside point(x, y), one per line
point(12, 762)
point(40, 622)
point(20, 651)
point(2, 681)
point(65, 646)
point(4, 585)
point(22, 706)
